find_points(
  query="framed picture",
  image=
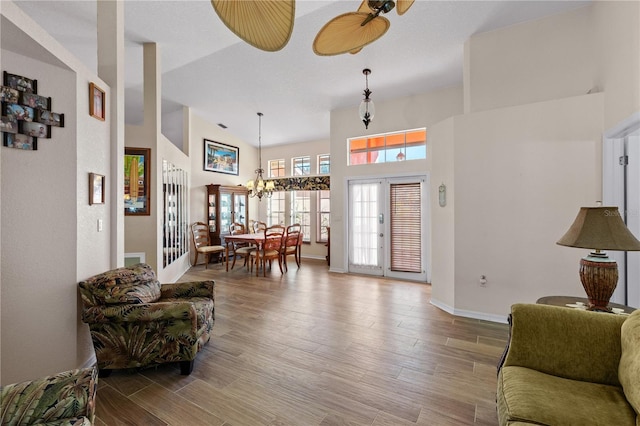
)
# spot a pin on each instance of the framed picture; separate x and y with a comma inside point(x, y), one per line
point(136, 181)
point(9, 95)
point(20, 141)
point(35, 101)
point(20, 112)
point(37, 130)
point(221, 158)
point(50, 118)
point(8, 124)
point(20, 83)
point(96, 189)
point(96, 102)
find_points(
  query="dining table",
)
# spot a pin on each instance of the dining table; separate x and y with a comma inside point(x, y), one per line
point(257, 239)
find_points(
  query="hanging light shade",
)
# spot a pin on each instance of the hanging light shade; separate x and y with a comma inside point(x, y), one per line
point(264, 24)
point(258, 187)
point(367, 110)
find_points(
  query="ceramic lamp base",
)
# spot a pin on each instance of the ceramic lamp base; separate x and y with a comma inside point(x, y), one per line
point(599, 277)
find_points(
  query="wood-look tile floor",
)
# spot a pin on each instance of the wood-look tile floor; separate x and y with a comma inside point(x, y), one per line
point(312, 347)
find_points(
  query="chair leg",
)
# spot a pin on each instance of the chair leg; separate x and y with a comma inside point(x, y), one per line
point(195, 261)
point(234, 260)
point(206, 261)
point(280, 264)
point(186, 367)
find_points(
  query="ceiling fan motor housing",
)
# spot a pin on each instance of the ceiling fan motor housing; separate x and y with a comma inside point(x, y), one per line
point(383, 6)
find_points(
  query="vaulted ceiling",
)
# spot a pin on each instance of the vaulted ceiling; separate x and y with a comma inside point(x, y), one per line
point(224, 80)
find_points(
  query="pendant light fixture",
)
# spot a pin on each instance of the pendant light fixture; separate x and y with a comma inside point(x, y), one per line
point(367, 110)
point(258, 187)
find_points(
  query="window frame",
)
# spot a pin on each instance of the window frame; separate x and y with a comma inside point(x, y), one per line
point(319, 163)
point(372, 148)
point(305, 169)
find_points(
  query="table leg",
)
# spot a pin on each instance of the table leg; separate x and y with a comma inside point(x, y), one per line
point(226, 254)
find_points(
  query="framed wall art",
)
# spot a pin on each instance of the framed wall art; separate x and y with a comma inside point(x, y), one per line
point(96, 102)
point(20, 83)
point(20, 141)
point(136, 181)
point(221, 158)
point(96, 189)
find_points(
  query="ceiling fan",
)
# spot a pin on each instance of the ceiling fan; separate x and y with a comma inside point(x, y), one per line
point(351, 31)
point(265, 24)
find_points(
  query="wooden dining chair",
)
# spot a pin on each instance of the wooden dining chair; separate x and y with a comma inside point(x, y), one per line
point(202, 243)
point(259, 227)
point(269, 249)
point(240, 249)
point(290, 244)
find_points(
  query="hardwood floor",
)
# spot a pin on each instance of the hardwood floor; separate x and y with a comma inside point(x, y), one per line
point(316, 348)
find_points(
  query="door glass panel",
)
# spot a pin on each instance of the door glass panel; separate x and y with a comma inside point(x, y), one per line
point(225, 213)
point(365, 220)
point(240, 209)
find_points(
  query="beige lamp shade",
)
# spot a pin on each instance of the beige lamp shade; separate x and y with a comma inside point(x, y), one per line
point(264, 24)
point(600, 228)
point(344, 33)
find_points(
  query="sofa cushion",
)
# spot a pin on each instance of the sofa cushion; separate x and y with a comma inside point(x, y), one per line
point(526, 395)
point(132, 284)
point(629, 368)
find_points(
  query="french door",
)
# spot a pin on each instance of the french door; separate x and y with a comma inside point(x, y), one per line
point(387, 227)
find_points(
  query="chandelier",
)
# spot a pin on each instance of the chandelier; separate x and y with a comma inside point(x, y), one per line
point(258, 187)
point(367, 110)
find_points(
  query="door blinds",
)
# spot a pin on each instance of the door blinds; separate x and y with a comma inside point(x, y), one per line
point(406, 231)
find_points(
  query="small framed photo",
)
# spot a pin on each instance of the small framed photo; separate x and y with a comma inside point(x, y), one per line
point(9, 95)
point(20, 141)
point(8, 124)
point(35, 101)
point(32, 128)
point(20, 83)
point(221, 158)
point(136, 182)
point(20, 112)
point(96, 102)
point(50, 118)
point(96, 189)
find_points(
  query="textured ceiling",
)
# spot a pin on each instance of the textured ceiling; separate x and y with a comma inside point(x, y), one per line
point(224, 80)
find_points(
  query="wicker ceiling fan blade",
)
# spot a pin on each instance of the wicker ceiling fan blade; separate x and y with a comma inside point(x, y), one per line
point(403, 5)
point(264, 24)
point(364, 7)
point(344, 33)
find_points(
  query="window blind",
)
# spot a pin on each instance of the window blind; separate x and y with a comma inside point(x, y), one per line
point(406, 227)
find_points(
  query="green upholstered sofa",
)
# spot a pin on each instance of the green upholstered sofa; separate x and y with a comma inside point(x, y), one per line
point(570, 367)
point(62, 399)
point(136, 322)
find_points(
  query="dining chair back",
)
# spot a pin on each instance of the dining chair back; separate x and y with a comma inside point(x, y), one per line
point(259, 226)
point(291, 244)
point(239, 249)
point(202, 243)
point(270, 249)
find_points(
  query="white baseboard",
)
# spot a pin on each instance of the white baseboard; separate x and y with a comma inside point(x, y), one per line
point(469, 314)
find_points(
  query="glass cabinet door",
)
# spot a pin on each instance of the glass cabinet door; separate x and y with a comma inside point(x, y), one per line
point(226, 217)
point(211, 213)
point(240, 209)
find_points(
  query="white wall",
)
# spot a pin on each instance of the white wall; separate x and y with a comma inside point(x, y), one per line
point(521, 175)
point(616, 28)
point(548, 58)
point(49, 232)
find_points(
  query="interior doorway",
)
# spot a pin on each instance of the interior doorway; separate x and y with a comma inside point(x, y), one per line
point(621, 188)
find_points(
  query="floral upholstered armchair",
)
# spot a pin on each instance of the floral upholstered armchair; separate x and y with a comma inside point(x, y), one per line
point(136, 322)
point(62, 399)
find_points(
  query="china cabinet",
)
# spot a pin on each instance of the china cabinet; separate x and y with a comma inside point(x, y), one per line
point(225, 205)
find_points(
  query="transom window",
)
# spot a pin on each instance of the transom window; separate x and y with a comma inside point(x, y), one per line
point(276, 168)
point(324, 164)
point(388, 147)
point(301, 166)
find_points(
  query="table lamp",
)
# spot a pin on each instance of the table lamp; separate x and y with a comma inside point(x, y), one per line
point(599, 228)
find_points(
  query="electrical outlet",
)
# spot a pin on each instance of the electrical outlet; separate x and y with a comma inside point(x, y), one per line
point(99, 225)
